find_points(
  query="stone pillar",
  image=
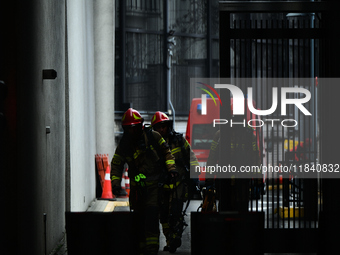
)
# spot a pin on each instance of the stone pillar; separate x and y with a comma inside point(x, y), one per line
point(104, 44)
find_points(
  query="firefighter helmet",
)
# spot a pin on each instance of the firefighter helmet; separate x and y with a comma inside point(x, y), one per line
point(159, 117)
point(132, 117)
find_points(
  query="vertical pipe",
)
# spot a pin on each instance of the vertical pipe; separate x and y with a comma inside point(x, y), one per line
point(209, 39)
point(299, 133)
point(302, 132)
point(284, 69)
point(165, 48)
point(225, 112)
point(294, 75)
point(313, 131)
point(299, 179)
point(272, 76)
point(240, 53)
point(308, 127)
point(285, 190)
point(168, 57)
point(235, 52)
point(271, 51)
point(277, 125)
point(122, 57)
point(282, 129)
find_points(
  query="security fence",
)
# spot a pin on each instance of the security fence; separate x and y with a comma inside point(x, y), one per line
point(265, 40)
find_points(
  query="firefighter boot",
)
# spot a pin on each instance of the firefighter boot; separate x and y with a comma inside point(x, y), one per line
point(176, 234)
point(174, 244)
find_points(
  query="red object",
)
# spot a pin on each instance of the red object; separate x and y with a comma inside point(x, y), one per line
point(159, 117)
point(131, 117)
point(196, 119)
point(107, 190)
point(100, 169)
point(105, 158)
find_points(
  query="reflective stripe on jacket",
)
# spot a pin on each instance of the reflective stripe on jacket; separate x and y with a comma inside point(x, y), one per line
point(142, 158)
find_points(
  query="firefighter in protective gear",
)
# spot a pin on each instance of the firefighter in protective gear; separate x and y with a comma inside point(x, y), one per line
point(209, 190)
point(147, 155)
point(244, 152)
point(175, 192)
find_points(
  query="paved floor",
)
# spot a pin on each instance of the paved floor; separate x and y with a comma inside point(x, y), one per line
point(185, 249)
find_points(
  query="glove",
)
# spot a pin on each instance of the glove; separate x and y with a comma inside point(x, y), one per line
point(116, 190)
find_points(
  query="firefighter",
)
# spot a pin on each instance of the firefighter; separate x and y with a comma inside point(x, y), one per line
point(175, 192)
point(244, 152)
point(209, 189)
point(147, 155)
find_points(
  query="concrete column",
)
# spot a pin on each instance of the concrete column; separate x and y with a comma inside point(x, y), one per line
point(81, 104)
point(104, 44)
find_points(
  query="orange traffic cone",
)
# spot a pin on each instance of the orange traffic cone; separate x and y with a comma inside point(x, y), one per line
point(100, 169)
point(105, 158)
point(107, 190)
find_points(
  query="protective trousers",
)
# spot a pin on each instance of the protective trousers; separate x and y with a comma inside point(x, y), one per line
point(171, 209)
point(144, 203)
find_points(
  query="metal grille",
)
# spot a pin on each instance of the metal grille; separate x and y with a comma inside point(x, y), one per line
point(257, 40)
point(142, 31)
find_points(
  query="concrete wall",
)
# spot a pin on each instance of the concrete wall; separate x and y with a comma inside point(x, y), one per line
point(104, 41)
point(90, 53)
point(45, 174)
point(81, 102)
point(41, 169)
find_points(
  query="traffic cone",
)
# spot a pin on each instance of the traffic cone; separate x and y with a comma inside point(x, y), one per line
point(107, 190)
point(100, 169)
point(127, 182)
point(105, 158)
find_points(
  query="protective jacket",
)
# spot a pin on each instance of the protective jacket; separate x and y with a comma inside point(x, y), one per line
point(181, 149)
point(244, 149)
point(146, 159)
point(234, 192)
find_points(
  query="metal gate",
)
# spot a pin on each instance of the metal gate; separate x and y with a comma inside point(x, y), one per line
point(281, 40)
